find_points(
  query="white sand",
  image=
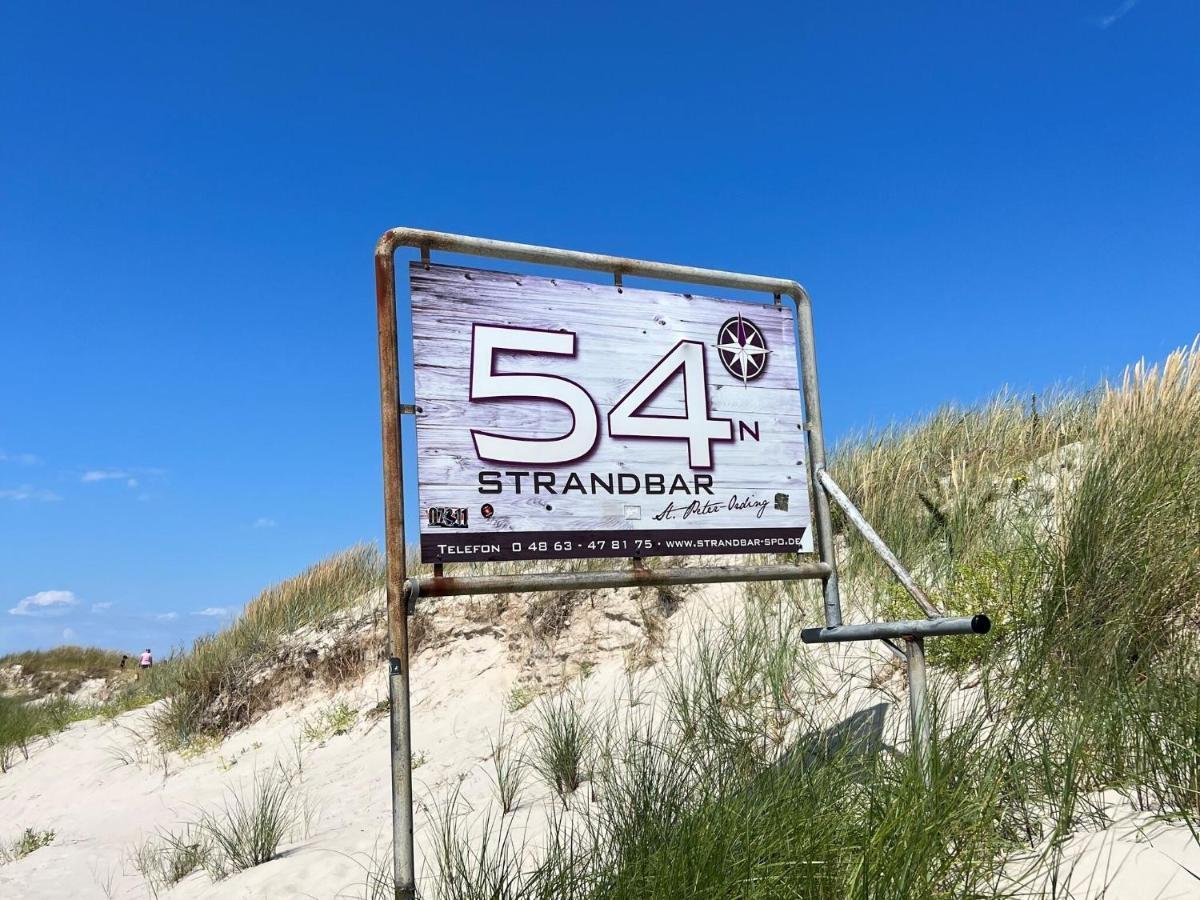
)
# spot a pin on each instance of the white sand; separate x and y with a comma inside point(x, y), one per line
point(100, 808)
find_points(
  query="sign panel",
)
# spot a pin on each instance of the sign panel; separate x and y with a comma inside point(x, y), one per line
point(560, 419)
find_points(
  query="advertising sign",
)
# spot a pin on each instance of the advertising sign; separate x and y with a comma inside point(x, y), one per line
point(561, 419)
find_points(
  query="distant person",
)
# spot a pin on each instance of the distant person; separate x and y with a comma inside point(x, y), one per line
point(146, 662)
point(124, 659)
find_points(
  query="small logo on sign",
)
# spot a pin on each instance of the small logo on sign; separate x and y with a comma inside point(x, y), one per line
point(447, 517)
point(487, 510)
point(742, 348)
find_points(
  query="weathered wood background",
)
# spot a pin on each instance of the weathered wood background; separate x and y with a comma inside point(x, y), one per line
point(620, 336)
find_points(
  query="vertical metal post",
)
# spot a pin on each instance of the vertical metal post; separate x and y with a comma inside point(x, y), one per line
point(403, 861)
point(918, 706)
point(816, 457)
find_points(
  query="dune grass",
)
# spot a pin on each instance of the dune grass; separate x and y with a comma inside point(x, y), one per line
point(214, 688)
point(54, 675)
point(87, 662)
point(93, 661)
point(1126, 577)
point(246, 831)
point(508, 769)
point(211, 689)
point(249, 829)
point(171, 856)
point(932, 488)
point(23, 725)
point(563, 740)
point(701, 801)
point(1074, 521)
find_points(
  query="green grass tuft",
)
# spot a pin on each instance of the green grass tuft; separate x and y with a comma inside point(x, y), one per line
point(30, 840)
point(248, 830)
point(563, 741)
point(331, 721)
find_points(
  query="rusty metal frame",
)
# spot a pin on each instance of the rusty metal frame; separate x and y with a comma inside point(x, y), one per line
point(403, 590)
point(617, 266)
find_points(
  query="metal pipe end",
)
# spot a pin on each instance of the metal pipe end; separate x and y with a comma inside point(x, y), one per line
point(980, 624)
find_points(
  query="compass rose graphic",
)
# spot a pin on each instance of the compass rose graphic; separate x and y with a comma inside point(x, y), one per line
point(742, 349)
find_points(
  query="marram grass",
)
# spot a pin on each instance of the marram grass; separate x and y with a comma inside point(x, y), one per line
point(739, 789)
point(212, 688)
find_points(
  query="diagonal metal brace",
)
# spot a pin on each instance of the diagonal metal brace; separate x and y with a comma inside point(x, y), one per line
point(885, 552)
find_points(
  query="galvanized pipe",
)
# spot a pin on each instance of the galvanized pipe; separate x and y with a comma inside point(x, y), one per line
point(449, 586)
point(816, 461)
point(403, 858)
point(909, 628)
point(877, 543)
point(918, 707)
point(575, 259)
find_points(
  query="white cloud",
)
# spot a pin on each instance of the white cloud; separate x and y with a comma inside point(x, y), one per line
point(49, 603)
point(69, 634)
point(29, 492)
point(102, 475)
point(100, 607)
point(133, 478)
point(167, 617)
point(214, 611)
point(1116, 15)
point(21, 459)
point(264, 522)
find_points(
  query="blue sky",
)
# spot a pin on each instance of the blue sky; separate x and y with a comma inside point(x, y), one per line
point(975, 194)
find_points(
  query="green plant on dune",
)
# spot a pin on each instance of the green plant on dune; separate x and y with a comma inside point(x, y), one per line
point(562, 742)
point(30, 840)
point(246, 831)
point(169, 857)
point(332, 720)
point(24, 724)
point(508, 769)
point(520, 697)
point(249, 828)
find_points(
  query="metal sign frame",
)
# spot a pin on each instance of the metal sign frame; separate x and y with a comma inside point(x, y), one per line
point(403, 590)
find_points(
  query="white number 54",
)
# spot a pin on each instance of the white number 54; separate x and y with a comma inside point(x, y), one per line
point(695, 426)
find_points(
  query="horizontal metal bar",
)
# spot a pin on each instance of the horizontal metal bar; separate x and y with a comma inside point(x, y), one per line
point(575, 259)
point(450, 586)
point(877, 544)
point(912, 628)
